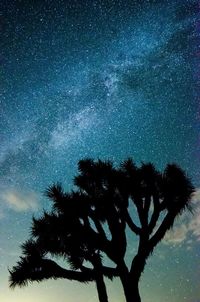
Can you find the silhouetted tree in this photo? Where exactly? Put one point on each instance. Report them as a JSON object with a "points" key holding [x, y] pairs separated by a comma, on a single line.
{"points": [[87, 225]]}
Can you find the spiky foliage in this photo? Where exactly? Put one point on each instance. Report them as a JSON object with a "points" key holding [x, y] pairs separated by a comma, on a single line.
{"points": [[177, 189], [90, 223], [35, 266]]}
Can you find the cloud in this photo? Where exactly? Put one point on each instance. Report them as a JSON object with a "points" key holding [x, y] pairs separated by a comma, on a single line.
{"points": [[189, 229], [177, 235], [20, 201], [196, 196], [194, 226]]}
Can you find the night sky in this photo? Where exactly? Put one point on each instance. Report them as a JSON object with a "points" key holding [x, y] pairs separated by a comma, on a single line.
{"points": [[100, 79]]}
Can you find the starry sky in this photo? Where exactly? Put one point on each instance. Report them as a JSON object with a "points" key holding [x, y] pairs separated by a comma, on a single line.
{"points": [[100, 79]]}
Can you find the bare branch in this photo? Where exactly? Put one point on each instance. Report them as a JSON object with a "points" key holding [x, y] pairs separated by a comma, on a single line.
{"points": [[134, 228]]}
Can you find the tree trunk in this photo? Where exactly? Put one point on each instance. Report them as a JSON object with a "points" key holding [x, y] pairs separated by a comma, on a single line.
{"points": [[129, 283], [101, 288], [99, 278], [131, 289]]}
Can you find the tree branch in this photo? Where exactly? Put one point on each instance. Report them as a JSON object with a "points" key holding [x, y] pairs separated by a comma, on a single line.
{"points": [[140, 210], [108, 272], [166, 224], [134, 228], [155, 215], [101, 240], [99, 227], [147, 203], [44, 269]]}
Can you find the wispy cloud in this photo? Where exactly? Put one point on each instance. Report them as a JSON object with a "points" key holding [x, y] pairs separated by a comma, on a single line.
{"points": [[177, 235], [196, 196], [189, 230], [20, 201]]}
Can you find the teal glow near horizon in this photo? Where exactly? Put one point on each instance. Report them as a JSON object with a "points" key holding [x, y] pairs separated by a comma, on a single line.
{"points": [[100, 79]]}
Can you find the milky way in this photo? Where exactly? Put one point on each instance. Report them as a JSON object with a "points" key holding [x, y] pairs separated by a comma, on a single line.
{"points": [[99, 79]]}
